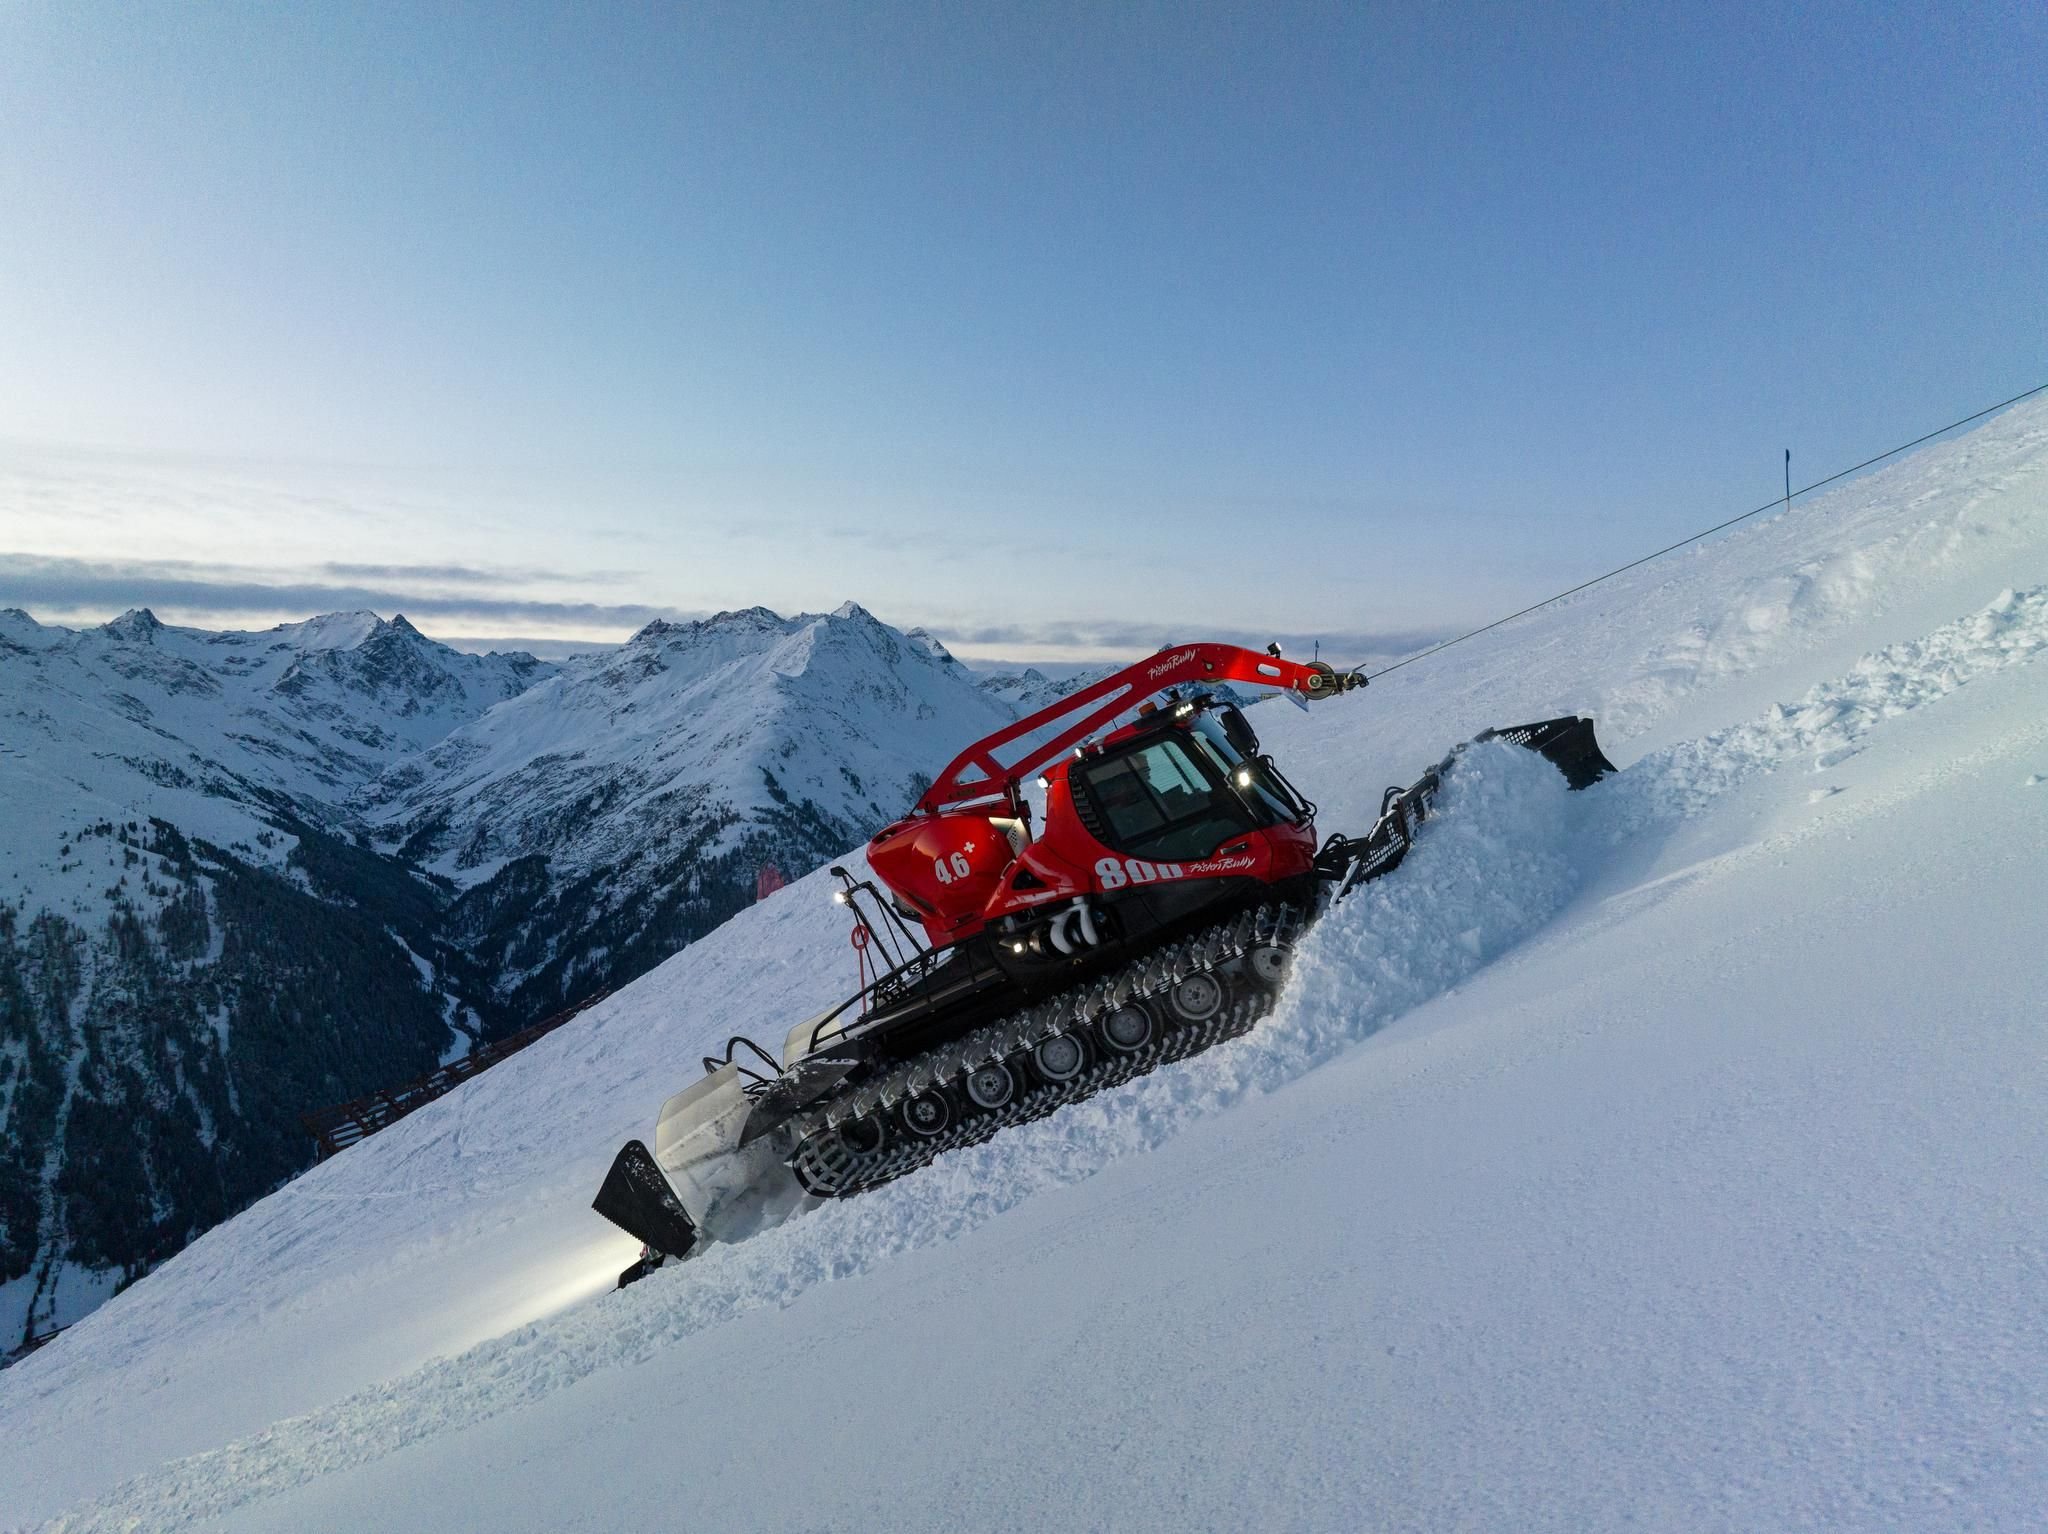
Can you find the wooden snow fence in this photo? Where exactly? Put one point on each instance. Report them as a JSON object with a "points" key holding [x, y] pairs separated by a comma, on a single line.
{"points": [[336, 1128]]}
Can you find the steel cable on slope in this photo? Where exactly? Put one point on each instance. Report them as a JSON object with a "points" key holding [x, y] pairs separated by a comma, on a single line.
{"points": [[1773, 504]]}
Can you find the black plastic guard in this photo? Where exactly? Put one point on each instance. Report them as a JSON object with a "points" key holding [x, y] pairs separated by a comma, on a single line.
{"points": [[648, 1262], [1567, 744], [637, 1198]]}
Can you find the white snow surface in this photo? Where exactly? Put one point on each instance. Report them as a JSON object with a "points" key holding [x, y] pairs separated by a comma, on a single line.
{"points": [[1667, 1155]]}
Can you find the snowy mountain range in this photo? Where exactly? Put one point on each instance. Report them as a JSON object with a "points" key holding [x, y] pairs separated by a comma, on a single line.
{"points": [[623, 806], [250, 874]]}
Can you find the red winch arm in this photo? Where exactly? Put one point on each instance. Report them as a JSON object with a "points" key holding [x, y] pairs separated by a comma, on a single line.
{"points": [[977, 774]]}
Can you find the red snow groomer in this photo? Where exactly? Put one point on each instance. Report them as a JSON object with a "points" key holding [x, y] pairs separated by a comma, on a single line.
{"points": [[1150, 917]]}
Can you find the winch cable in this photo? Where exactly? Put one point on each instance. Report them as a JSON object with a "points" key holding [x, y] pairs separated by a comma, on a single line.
{"points": [[1774, 504]]}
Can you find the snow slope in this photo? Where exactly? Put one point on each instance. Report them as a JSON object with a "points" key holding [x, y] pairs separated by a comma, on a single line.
{"points": [[1667, 1155]]}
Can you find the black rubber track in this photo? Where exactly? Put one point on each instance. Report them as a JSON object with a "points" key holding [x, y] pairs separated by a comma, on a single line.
{"points": [[828, 1167]]}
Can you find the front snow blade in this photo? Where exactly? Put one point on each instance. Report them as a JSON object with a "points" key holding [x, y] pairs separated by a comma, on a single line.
{"points": [[637, 1198], [1567, 744]]}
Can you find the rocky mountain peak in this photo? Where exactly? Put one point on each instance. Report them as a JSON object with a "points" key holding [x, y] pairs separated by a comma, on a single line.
{"points": [[138, 625], [397, 638], [741, 621], [923, 639], [330, 631], [19, 631]]}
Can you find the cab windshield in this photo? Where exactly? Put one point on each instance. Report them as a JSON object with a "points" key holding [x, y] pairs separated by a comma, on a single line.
{"points": [[1211, 740], [1167, 801]]}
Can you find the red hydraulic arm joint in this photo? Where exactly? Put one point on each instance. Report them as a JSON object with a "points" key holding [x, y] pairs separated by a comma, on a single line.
{"points": [[977, 774]]}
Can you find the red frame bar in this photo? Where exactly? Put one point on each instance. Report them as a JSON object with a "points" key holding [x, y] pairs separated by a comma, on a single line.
{"points": [[1123, 690]]}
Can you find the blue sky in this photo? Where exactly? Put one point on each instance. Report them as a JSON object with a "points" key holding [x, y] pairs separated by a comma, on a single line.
{"points": [[1063, 330]]}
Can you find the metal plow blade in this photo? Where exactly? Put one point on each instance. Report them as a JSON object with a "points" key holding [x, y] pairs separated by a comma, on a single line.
{"points": [[637, 1198]]}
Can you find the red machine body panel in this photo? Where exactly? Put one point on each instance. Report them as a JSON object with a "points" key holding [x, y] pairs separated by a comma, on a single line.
{"points": [[948, 867], [1072, 862], [963, 859], [956, 871]]}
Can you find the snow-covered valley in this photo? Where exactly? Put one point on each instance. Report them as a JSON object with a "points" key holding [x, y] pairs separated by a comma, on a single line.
{"points": [[1667, 1155]]}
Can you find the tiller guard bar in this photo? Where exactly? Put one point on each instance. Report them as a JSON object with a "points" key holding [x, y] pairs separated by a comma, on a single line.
{"points": [[1567, 743]]}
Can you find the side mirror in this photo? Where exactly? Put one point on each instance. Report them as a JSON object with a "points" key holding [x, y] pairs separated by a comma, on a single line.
{"points": [[1238, 730]]}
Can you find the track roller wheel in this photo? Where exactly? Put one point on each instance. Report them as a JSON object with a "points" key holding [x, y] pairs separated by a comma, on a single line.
{"points": [[1060, 1058], [992, 1085], [1197, 998], [862, 1135], [1127, 1029], [926, 1114], [1268, 965]]}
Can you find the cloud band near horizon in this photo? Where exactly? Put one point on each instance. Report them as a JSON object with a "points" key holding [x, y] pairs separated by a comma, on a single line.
{"points": [[485, 608]]}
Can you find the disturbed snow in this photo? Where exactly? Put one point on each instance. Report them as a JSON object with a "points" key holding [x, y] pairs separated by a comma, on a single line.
{"points": [[1684, 1181]]}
